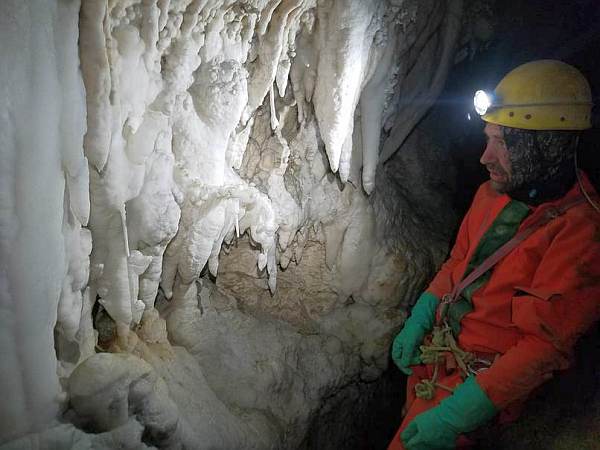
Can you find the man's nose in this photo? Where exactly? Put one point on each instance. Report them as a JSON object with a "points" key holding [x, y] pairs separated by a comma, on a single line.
{"points": [[489, 155]]}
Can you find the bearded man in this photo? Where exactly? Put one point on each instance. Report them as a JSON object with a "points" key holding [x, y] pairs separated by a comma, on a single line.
{"points": [[522, 283]]}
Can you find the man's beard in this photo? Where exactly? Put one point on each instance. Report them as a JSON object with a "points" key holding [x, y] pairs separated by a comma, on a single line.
{"points": [[541, 164], [502, 187]]}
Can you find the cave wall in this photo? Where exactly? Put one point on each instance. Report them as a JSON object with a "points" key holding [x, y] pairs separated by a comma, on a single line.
{"points": [[202, 243], [196, 139], [44, 201]]}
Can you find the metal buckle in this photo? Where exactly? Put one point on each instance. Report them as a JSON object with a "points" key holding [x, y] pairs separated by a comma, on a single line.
{"points": [[553, 212], [447, 299], [478, 365]]}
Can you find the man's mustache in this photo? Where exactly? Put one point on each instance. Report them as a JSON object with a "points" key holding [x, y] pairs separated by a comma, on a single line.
{"points": [[496, 168]]}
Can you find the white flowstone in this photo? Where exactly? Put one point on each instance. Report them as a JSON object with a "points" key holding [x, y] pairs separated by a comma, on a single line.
{"points": [[43, 203], [236, 140]]}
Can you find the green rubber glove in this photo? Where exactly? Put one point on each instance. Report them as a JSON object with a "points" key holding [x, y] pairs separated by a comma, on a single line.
{"points": [[465, 410], [405, 349]]}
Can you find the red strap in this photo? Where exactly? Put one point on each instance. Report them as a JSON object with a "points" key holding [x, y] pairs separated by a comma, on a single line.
{"points": [[490, 261]]}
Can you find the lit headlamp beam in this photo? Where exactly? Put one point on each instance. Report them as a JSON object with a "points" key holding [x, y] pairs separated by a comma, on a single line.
{"points": [[482, 101]]}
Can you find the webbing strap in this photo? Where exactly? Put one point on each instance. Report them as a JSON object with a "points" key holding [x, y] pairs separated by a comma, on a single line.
{"points": [[490, 261]]}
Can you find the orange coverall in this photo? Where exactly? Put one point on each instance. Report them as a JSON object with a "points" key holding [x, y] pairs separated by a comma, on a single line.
{"points": [[538, 301]]}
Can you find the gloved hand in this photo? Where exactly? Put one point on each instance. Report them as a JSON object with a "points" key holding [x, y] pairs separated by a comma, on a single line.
{"points": [[438, 428], [405, 349]]}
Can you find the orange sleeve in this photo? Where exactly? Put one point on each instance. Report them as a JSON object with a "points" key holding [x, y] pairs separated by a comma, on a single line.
{"points": [[562, 302]]}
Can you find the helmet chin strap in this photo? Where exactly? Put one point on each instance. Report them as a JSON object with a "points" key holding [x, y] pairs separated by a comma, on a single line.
{"points": [[580, 182]]}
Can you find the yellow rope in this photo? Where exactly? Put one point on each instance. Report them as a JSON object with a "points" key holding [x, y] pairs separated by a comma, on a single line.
{"points": [[442, 341]]}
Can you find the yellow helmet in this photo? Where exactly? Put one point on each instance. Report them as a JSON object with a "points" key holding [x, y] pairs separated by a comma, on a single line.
{"points": [[539, 95]]}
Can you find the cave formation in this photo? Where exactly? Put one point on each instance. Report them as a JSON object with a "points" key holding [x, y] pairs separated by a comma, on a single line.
{"points": [[216, 214]]}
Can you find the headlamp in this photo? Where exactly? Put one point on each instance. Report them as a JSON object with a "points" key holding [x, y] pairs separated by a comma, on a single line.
{"points": [[482, 102]]}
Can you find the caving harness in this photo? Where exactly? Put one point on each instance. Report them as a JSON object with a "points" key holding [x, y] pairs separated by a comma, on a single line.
{"points": [[442, 344]]}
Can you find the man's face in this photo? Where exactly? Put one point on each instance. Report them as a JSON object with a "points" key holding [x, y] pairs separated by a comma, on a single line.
{"points": [[495, 158]]}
